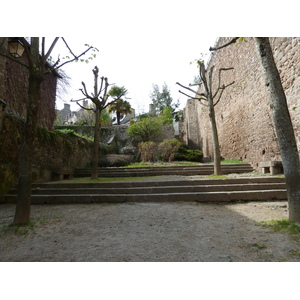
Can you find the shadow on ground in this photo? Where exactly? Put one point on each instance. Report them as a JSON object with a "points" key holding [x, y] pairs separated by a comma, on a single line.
{"points": [[150, 232]]}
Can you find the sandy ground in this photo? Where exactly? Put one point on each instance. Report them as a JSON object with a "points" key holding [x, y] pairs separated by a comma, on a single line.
{"points": [[149, 232]]}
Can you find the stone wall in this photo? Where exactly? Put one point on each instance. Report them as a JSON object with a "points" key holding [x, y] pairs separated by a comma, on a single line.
{"points": [[244, 119], [51, 152], [14, 88]]}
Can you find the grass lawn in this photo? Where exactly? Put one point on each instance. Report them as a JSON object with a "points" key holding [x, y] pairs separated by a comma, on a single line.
{"points": [[177, 163]]}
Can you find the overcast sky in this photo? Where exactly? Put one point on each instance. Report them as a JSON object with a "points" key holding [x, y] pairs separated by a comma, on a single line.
{"points": [[136, 61], [142, 42]]}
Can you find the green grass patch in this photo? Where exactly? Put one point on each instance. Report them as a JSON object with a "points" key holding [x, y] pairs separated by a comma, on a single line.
{"points": [[258, 246], [160, 164], [26, 228], [282, 225], [19, 229], [213, 176], [232, 161]]}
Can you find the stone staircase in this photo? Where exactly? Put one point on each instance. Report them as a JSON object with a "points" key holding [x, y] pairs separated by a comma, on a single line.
{"points": [[201, 169], [263, 188]]}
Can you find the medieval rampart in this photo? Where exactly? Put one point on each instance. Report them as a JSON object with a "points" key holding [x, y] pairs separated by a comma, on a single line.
{"points": [[244, 119]]}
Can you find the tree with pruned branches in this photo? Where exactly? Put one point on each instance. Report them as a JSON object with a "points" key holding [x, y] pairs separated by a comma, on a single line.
{"points": [[282, 120], [100, 98], [210, 99], [38, 66]]}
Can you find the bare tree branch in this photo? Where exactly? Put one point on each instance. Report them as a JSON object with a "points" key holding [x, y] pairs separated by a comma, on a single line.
{"points": [[51, 48], [185, 87], [84, 107], [219, 84], [43, 47], [101, 85], [75, 58], [57, 62], [233, 41], [202, 72], [85, 93], [222, 90], [68, 47], [194, 84], [78, 100], [192, 98]]}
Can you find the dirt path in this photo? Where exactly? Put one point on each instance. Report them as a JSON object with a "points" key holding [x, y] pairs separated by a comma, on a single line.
{"points": [[150, 232]]}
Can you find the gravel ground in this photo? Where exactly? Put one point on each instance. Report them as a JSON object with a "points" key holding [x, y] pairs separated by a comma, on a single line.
{"points": [[149, 232]]}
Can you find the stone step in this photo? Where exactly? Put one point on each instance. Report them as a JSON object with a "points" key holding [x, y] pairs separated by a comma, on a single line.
{"points": [[257, 195], [157, 189], [237, 189], [166, 181], [203, 169]]}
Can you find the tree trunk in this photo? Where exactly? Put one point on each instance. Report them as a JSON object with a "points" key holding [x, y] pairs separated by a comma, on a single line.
{"points": [[283, 125], [215, 138], [22, 213], [118, 117], [95, 157]]}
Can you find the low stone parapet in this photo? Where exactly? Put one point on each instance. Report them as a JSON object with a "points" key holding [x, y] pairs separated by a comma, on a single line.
{"points": [[61, 174], [274, 167]]}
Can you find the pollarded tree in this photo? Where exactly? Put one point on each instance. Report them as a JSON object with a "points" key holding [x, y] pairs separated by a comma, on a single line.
{"points": [[100, 98], [210, 99], [120, 106], [38, 67], [282, 120]]}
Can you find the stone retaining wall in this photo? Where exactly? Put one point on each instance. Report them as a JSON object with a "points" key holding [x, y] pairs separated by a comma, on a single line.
{"points": [[51, 152], [244, 119]]}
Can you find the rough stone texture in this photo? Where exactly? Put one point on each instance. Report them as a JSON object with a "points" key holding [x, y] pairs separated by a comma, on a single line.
{"points": [[49, 154], [244, 118], [14, 89]]}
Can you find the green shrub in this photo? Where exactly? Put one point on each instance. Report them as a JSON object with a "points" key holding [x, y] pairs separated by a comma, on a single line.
{"points": [[168, 148], [148, 151], [145, 130], [187, 154], [66, 132], [115, 160]]}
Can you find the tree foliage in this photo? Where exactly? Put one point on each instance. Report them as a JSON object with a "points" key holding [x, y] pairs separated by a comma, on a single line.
{"points": [[167, 116], [120, 106], [163, 99], [145, 130]]}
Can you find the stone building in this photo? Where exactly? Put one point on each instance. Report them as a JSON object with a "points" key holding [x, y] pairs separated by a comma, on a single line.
{"points": [[244, 118], [14, 87]]}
